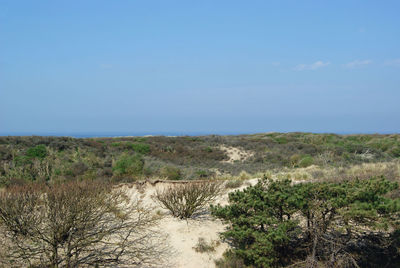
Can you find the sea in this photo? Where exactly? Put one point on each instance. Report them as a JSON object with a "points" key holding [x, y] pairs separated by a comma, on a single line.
{"points": [[160, 133], [117, 134]]}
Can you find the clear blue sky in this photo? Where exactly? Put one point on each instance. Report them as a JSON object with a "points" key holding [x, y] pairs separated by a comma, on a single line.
{"points": [[148, 66]]}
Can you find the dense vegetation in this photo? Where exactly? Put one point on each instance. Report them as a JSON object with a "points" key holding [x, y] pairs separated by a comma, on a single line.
{"points": [[321, 224], [38, 158]]}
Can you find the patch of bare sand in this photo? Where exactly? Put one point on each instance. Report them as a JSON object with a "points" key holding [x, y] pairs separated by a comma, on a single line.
{"points": [[236, 154]]}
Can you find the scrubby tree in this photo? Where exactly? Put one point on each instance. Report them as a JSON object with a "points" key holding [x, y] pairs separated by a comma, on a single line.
{"points": [[76, 224]]}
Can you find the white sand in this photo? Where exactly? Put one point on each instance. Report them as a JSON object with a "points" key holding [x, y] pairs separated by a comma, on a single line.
{"points": [[236, 154], [183, 235]]}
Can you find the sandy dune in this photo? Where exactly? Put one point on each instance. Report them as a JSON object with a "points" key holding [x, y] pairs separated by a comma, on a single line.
{"points": [[183, 235]]}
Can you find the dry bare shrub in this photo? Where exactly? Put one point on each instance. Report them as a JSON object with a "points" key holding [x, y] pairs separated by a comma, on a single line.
{"points": [[229, 260], [202, 245], [185, 200], [244, 175], [232, 184], [76, 224]]}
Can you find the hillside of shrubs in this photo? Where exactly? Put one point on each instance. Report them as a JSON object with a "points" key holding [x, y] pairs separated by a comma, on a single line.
{"points": [[37, 158]]}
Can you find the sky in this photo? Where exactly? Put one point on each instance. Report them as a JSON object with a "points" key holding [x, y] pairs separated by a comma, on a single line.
{"points": [[222, 67]]}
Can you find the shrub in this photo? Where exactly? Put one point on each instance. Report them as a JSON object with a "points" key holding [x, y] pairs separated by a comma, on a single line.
{"points": [[231, 184], [116, 144], [75, 224], [171, 173], [38, 151], [230, 260], [202, 245], [22, 160], [140, 148], [208, 149], [281, 140], [294, 160], [78, 168], [244, 175], [395, 152], [185, 200], [128, 165], [306, 161], [202, 174]]}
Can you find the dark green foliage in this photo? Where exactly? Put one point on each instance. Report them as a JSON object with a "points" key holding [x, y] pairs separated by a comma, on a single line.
{"points": [[39, 151], [22, 160], [140, 148], [281, 140], [395, 151], [265, 221], [261, 223]]}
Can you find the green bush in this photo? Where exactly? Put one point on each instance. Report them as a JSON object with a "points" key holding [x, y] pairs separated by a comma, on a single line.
{"points": [[208, 149], [281, 140], [22, 160], [38, 151], [116, 144], [395, 152], [128, 165], [306, 161], [140, 148]]}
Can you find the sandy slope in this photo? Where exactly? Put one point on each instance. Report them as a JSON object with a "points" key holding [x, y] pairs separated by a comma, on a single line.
{"points": [[236, 154], [183, 235]]}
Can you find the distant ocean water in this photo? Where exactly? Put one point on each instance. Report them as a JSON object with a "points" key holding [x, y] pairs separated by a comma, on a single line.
{"points": [[139, 134], [119, 134]]}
